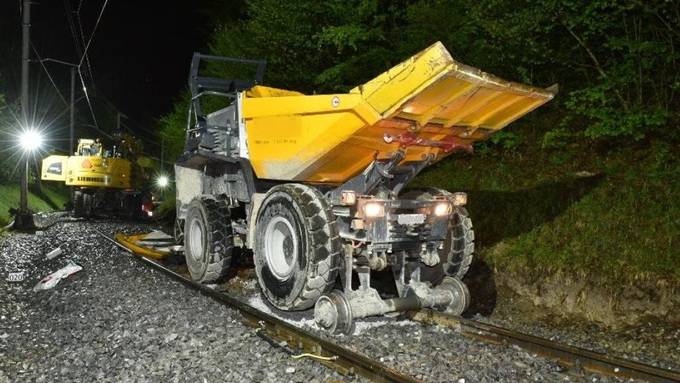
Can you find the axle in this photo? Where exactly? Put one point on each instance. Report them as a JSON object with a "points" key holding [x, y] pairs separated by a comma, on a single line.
{"points": [[336, 311]]}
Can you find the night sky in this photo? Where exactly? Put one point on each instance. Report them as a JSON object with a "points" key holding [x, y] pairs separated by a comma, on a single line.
{"points": [[139, 55]]}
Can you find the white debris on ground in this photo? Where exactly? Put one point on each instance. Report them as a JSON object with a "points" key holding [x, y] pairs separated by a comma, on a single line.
{"points": [[54, 253], [53, 279], [297, 319]]}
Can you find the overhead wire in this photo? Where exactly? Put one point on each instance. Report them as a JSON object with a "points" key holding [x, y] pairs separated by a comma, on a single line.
{"points": [[138, 125], [80, 72], [77, 39], [94, 30], [82, 50], [89, 105], [81, 38], [49, 76]]}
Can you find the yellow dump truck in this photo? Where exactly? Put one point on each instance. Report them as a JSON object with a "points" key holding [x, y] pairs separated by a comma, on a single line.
{"points": [[313, 184], [105, 181]]}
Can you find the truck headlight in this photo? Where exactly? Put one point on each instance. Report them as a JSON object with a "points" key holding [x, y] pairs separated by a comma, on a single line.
{"points": [[459, 199], [442, 209], [348, 197], [374, 209]]}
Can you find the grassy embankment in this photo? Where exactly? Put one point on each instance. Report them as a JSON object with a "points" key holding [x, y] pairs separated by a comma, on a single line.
{"points": [[53, 198], [613, 214]]}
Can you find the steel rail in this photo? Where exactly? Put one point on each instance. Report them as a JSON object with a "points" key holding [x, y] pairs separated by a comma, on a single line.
{"points": [[574, 358], [339, 358], [346, 361]]}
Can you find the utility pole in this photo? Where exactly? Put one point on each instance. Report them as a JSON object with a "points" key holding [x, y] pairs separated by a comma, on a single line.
{"points": [[162, 152], [119, 117], [72, 122], [24, 219], [25, 52]]}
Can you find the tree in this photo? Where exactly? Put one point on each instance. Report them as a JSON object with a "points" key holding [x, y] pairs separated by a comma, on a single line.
{"points": [[616, 61]]}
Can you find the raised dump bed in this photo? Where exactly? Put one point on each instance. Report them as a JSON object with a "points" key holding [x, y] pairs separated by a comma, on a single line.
{"points": [[315, 184], [429, 104]]}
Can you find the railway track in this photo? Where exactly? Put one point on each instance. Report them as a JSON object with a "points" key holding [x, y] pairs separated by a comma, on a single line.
{"points": [[298, 341], [302, 343], [576, 360]]}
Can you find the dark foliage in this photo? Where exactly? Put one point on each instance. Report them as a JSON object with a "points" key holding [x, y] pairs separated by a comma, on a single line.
{"points": [[616, 61]]}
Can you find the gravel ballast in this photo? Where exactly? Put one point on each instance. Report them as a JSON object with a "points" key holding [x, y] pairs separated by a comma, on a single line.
{"points": [[117, 320], [649, 342]]}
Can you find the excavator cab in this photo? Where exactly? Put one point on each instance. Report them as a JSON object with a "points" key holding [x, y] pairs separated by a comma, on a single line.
{"points": [[89, 148]]}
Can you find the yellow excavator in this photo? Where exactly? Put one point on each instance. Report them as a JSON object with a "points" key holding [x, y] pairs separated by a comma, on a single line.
{"points": [[105, 181]]}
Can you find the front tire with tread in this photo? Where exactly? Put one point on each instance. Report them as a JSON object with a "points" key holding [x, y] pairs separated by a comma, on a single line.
{"points": [[208, 239], [312, 247], [458, 251]]}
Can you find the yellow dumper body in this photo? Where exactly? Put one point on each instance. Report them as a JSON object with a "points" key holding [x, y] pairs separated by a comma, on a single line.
{"points": [[429, 104]]}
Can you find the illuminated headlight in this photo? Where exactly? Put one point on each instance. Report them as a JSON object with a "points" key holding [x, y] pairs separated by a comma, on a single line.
{"points": [[374, 209], [459, 199], [442, 209], [149, 213], [348, 197]]}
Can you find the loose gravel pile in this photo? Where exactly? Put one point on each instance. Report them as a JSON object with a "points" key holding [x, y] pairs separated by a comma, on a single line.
{"points": [[117, 320]]}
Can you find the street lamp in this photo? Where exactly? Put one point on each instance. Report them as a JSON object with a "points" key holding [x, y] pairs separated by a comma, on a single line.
{"points": [[30, 140], [162, 181]]}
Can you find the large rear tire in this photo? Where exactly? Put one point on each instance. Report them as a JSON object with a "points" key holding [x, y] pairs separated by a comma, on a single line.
{"points": [[297, 247], [83, 204], [459, 246], [78, 210], [208, 239]]}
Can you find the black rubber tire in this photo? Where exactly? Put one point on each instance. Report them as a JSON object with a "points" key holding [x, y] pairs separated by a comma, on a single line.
{"points": [[132, 206], [82, 204], [88, 204], [318, 249], [210, 259], [459, 245], [78, 204]]}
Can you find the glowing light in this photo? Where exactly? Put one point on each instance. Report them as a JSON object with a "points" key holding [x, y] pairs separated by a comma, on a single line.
{"points": [[163, 181], [374, 209], [441, 209], [30, 140], [348, 197], [459, 199]]}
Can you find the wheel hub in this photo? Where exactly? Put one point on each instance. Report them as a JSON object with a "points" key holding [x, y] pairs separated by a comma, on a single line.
{"points": [[333, 313], [196, 239], [280, 247], [460, 294]]}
